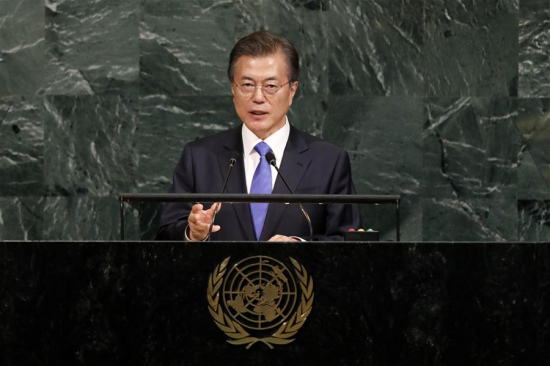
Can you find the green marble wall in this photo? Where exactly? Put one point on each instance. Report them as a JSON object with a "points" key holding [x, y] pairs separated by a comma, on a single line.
{"points": [[446, 103]]}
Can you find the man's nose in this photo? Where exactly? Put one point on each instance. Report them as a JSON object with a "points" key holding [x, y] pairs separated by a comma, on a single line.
{"points": [[258, 95]]}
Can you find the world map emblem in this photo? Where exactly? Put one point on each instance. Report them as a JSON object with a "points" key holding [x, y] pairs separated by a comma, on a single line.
{"points": [[260, 300]]}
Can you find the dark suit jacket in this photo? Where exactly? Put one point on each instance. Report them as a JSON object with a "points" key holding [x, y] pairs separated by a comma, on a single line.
{"points": [[310, 166]]}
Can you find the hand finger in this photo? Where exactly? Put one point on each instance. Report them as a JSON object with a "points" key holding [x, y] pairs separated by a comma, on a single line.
{"points": [[198, 219], [281, 238], [197, 208], [198, 215], [201, 226], [195, 218], [201, 230]]}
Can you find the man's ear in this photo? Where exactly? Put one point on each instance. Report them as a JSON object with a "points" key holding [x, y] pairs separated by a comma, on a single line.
{"points": [[293, 89]]}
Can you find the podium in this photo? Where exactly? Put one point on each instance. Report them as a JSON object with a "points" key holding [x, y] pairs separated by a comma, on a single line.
{"points": [[241, 198], [149, 303]]}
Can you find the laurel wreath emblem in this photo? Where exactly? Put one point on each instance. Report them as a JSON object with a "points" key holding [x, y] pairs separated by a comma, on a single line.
{"points": [[237, 334]]}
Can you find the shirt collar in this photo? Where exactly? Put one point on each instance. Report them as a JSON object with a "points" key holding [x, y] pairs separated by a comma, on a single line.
{"points": [[277, 141]]}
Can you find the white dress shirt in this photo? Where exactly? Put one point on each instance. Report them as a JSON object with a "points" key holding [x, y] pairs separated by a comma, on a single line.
{"points": [[277, 143]]}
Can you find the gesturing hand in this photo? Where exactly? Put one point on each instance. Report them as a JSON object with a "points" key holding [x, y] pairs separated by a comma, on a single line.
{"points": [[199, 221]]}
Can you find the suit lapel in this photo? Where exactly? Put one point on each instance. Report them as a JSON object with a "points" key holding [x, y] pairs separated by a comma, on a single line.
{"points": [[293, 167], [237, 181]]}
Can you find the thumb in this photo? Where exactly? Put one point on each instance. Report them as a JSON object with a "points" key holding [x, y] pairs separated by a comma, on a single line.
{"points": [[215, 206]]}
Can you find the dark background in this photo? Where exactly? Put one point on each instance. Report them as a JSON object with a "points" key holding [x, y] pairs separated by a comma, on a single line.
{"points": [[444, 102], [137, 303]]}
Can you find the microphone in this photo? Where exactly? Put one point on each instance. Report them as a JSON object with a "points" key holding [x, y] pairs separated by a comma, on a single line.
{"points": [[232, 161], [270, 157]]}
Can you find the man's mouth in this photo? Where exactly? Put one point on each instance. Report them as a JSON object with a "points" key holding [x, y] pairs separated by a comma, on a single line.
{"points": [[258, 113]]}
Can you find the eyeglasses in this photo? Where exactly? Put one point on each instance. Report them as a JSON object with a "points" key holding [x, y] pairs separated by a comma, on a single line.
{"points": [[247, 89]]}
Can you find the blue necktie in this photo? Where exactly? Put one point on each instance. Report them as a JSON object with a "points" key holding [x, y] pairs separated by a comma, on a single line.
{"points": [[261, 184]]}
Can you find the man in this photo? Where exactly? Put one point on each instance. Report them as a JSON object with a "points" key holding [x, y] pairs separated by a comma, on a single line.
{"points": [[263, 71]]}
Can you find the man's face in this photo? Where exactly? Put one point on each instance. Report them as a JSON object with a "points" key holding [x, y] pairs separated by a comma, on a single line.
{"points": [[263, 114]]}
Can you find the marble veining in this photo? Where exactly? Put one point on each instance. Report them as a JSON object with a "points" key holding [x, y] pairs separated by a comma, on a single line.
{"points": [[75, 217], [534, 124], [167, 124], [21, 218], [22, 146], [91, 145], [99, 98], [92, 47], [534, 217], [21, 46], [534, 42], [179, 58], [425, 48], [469, 219], [470, 148]]}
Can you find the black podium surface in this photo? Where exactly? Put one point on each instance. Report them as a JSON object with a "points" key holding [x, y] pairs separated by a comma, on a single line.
{"points": [[145, 303]]}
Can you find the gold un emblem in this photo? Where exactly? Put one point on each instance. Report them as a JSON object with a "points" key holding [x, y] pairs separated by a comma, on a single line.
{"points": [[256, 300]]}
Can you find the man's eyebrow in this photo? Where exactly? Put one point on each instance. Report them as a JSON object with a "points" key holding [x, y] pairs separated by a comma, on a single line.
{"points": [[244, 77]]}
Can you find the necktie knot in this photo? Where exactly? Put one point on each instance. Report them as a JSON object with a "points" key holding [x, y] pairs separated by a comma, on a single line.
{"points": [[262, 148]]}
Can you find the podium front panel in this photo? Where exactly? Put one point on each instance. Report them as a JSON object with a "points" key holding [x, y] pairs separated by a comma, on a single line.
{"points": [[382, 303]]}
